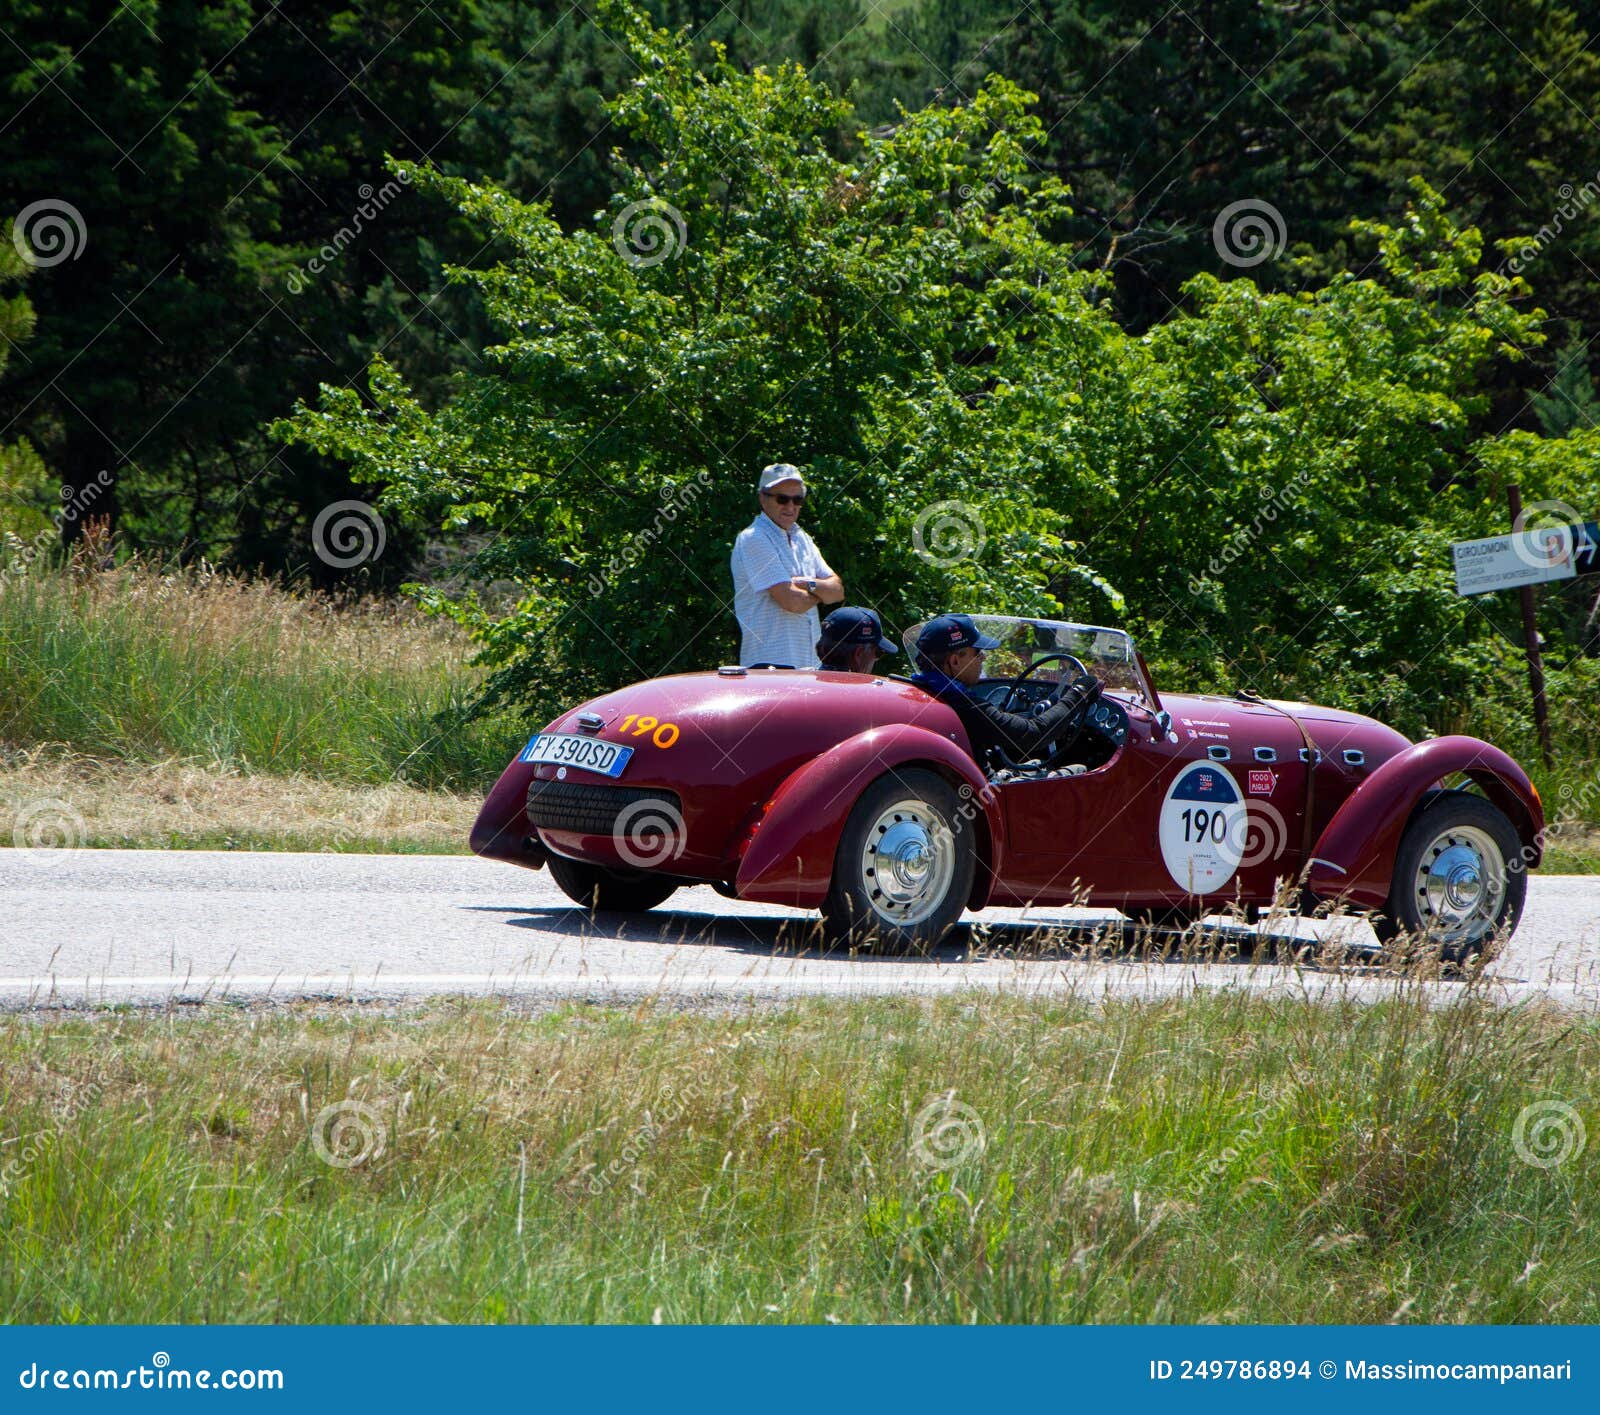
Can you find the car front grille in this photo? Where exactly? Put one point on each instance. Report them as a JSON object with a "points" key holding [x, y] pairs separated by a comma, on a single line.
{"points": [[591, 810]]}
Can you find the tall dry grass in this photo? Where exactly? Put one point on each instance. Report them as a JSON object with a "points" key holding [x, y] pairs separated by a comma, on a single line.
{"points": [[244, 675]]}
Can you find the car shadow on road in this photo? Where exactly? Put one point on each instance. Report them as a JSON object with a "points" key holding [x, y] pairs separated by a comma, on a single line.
{"points": [[1111, 939]]}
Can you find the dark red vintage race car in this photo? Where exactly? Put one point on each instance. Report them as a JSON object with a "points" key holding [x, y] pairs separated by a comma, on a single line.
{"points": [[860, 796]]}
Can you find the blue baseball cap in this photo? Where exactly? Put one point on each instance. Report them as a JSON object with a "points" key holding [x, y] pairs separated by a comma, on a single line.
{"points": [[850, 624], [945, 632]]}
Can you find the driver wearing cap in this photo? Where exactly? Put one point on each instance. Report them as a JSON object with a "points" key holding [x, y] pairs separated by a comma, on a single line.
{"points": [[852, 639], [950, 651]]}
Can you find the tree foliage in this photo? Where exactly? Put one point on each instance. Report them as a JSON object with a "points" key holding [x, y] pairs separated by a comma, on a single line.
{"points": [[24, 497], [1266, 481]]}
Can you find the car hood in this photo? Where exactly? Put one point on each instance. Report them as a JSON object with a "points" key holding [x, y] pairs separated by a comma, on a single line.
{"points": [[747, 728], [1332, 730]]}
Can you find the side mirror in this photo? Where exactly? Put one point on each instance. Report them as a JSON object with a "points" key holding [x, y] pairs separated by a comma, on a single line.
{"points": [[1164, 722]]}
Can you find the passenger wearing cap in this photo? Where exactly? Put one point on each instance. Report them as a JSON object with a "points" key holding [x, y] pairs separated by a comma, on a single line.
{"points": [[852, 639], [780, 578], [950, 652]]}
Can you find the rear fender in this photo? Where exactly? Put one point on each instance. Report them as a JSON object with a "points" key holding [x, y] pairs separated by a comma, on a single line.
{"points": [[1353, 860], [789, 859]]}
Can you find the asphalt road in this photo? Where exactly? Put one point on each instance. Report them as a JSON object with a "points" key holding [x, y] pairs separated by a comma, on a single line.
{"points": [[90, 927]]}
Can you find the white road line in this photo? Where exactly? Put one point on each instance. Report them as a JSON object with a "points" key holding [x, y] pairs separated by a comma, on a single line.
{"points": [[93, 928]]}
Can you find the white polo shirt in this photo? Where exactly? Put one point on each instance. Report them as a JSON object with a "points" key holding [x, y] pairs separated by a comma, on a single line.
{"points": [[763, 556]]}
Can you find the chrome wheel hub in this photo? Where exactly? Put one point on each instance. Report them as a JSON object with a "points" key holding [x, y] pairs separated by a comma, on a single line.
{"points": [[1460, 884], [907, 862]]}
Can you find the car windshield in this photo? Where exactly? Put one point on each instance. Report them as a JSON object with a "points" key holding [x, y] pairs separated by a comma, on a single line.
{"points": [[1107, 653]]}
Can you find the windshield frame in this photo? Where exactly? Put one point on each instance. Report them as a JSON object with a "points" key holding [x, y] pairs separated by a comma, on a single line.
{"points": [[1107, 652]]}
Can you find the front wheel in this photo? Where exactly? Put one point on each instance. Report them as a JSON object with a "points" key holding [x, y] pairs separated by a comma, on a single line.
{"points": [[595, 887], [1453, 885], [904, 867]]}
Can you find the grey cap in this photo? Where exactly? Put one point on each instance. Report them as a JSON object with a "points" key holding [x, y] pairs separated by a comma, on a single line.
{"points": [[778, 472]]}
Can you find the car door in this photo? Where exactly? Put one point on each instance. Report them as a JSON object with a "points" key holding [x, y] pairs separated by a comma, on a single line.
{"points": [[1069, 834], [1213, 809]]}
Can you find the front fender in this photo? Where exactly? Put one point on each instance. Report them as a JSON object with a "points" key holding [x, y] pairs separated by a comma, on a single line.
{"points": [[501, 831], [789, 859], [1354, 857]]}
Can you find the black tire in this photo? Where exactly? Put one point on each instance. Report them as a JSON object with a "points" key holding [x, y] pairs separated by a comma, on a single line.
{"points": [[903, 870], [611, 891], [1457, 849]]}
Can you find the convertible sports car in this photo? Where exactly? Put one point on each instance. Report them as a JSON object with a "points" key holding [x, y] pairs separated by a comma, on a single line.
{"points": [[860, 796]]}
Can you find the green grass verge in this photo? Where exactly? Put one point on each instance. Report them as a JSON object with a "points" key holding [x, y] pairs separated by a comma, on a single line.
{"points": [[1220, 1158], [1578, 859]]}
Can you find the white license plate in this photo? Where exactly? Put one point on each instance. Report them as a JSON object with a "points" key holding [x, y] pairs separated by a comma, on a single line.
{"points": [[569, 749]]}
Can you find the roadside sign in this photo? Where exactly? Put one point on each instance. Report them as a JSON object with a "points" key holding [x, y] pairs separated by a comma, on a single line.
{"points": [[1561, 549], [1556, 552]]}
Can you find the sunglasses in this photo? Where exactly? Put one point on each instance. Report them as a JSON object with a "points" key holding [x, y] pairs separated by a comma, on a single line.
{"points": [[783, 499]]}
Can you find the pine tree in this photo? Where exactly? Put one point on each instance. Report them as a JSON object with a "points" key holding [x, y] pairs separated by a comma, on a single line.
{"points": [[120, 121], [24, 497], [1569, 401]]}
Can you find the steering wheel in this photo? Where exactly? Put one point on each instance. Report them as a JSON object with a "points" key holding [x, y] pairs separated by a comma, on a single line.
{"points": [[1032, 668], [1065, 743]]}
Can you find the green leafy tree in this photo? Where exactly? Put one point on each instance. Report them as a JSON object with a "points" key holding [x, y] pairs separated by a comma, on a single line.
{"points": [[1495, 105], [747, 296], [1315, 456], [219, 165], [1264, 483]]}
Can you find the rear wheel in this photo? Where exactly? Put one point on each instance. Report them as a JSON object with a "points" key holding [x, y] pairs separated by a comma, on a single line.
{"points": [[1453, 887], [904, 867], [595, 887]]}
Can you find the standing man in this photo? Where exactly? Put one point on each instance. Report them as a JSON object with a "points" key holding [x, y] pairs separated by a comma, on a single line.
{"points": [[780, 577]]}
